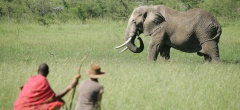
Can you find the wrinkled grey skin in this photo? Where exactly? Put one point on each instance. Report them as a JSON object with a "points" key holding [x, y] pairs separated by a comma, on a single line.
{"points": [[192, 31]]}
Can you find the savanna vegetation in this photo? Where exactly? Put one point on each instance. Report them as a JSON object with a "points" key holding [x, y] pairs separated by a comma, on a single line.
{"points": [[61, 33], [55, 11]]}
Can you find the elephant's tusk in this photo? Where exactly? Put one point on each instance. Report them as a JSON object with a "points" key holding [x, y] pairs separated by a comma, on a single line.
{"points": [[124, 43], [123, 50]]}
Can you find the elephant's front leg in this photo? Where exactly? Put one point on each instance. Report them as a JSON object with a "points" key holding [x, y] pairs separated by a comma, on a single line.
{"points": [[165, 52], [153, 49], [153, 52]]}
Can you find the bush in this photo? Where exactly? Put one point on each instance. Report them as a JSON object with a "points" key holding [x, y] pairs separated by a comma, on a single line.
{"points": [[12, 10], [51, 11], [223, 8]]}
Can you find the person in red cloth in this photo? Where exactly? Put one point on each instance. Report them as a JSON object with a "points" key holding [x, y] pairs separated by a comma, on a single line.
{"points": [[37, 94]]}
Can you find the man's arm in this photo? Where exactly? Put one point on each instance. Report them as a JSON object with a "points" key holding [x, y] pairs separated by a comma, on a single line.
{"points": [[59, 95], [99, 101], [66, 90]]}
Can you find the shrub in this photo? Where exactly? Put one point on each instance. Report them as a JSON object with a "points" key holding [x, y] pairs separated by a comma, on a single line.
{"points": [[222, 8], [51, 11]]}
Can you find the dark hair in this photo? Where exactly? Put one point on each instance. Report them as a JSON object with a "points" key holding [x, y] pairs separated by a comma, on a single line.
{"points": [[43, 69]]}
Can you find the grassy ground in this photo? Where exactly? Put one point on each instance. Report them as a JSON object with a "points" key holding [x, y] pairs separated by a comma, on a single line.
{"points": [[184, 83]]}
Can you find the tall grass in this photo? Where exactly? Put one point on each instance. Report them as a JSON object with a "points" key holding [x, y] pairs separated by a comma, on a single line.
{"points": [[183, 83]]}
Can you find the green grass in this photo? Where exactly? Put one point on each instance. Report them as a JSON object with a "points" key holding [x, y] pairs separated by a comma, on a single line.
{"points": [[184, 83]]}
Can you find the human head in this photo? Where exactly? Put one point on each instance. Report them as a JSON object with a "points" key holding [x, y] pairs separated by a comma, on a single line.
{"points": [[43, 69], [95, 71]]}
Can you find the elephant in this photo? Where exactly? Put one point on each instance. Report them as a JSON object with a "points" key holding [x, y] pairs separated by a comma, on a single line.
{"points": [[195, 30]]}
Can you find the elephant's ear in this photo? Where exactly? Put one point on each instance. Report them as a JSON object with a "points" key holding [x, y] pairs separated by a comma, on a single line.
{"points": [[159, 18], [154, 22], [144, 16]]}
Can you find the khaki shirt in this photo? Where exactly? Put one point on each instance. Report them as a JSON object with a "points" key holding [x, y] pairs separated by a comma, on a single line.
{"points": [[88, 95]]}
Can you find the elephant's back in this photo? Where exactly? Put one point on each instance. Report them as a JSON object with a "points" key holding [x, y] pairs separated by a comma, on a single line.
{"points": [[201, 15]]}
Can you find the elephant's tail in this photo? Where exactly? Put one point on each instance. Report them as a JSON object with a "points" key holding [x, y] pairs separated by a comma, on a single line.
{"points": [[216, 37], [219, 32]]}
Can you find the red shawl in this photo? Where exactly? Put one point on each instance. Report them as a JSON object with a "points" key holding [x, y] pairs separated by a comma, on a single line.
{"points": [[33, 94]]}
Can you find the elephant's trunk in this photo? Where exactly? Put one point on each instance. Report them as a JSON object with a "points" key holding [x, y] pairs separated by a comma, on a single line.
{"points": [[132, 32]]}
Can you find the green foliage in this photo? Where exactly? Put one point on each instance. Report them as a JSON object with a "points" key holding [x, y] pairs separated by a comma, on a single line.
{"points": [[223, 8], [13, 10], [53, 11]]}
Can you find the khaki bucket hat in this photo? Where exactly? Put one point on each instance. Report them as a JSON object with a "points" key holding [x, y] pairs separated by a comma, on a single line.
{"points": [[95, 71]]}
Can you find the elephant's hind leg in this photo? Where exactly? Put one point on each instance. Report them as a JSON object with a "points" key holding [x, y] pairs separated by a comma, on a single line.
{"points": [[206, 57], [210, 51]]}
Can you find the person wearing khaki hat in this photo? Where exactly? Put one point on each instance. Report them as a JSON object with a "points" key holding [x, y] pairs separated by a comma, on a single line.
{"points": [[90, 91]]}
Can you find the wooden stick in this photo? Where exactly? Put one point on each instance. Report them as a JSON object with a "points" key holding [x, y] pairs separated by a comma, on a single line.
{"points": [[74, 89]]}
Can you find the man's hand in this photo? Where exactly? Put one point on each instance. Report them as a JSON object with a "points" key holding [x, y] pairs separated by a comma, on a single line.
{"points": [[78, 76], [75, 81]]}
